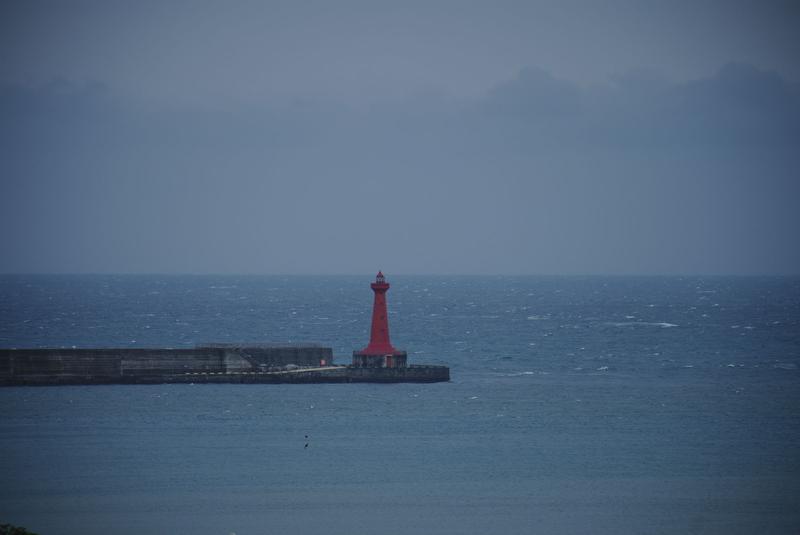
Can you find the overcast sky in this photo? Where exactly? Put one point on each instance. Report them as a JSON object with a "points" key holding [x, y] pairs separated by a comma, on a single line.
{"points": [[416, 137]]}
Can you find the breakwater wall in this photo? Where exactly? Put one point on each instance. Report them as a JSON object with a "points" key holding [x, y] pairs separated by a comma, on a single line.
{"points": [[203, 364], [133, 365], [353, 374]]}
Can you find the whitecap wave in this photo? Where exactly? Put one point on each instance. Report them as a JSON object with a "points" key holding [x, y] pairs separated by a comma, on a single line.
{"points": [[662, 324]]}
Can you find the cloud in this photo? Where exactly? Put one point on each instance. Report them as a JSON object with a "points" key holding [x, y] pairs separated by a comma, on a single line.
{"points": [[740, 105], [533, 95]]}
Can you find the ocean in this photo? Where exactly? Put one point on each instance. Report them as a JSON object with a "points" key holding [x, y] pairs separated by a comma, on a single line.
{"points": [[577, 405]]}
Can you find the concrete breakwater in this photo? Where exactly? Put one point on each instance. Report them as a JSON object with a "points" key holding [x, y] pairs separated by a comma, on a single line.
{"points": [[214, 363]]}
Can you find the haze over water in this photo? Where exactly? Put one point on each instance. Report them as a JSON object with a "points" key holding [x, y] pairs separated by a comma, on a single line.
{"points": [[541, 137], [577, 405]]}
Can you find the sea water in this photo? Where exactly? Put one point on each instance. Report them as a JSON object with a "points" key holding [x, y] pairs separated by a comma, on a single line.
{"points": [[576, 405]]}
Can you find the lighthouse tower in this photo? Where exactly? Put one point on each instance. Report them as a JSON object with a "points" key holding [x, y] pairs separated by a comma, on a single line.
{"points": [[379, 353]]}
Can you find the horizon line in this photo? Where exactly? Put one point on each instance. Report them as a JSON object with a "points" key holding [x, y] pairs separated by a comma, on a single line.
{"points": [[392, 274]]}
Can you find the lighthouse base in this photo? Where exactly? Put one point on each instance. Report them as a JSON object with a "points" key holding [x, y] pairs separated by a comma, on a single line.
{"points": [[398, 359]]}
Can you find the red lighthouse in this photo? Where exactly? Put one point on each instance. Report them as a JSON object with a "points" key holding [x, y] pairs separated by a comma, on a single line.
{"points": [[379, 353]]}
